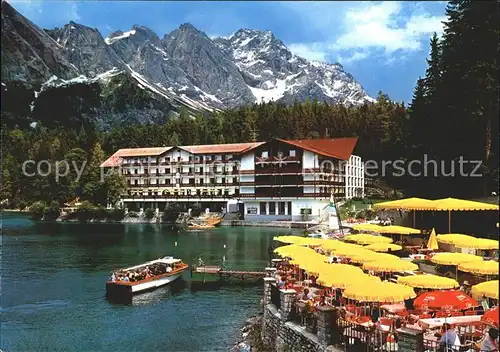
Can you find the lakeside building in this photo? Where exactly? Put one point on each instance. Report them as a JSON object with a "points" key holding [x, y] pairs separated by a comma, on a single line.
{"points": [[275, 180]]}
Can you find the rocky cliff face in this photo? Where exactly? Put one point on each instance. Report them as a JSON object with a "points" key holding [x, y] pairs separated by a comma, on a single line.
{"points": [[29, 54], [185, 68]]}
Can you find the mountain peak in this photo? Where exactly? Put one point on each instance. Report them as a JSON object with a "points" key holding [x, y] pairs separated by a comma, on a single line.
{"points": [[189, 27]]}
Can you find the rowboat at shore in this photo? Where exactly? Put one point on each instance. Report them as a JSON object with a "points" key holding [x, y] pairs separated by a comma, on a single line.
{"points": [[145, 277]]}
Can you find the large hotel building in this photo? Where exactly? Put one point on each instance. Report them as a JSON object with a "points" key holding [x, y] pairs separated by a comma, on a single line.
{"points": [[275, 180]]}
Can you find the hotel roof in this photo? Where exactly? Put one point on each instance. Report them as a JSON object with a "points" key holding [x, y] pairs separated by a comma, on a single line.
{"points": [[115, 159], [221, 148], [339, 148]]}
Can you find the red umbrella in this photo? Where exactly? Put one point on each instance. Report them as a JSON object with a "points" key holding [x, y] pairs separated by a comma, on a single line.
{"points": [[448, 300], [491, 316]]}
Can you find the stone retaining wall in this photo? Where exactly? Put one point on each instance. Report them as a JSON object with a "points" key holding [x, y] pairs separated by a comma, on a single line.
{"points": [[282, 335], [286, 336]]}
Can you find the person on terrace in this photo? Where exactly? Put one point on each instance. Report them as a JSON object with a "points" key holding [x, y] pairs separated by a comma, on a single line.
{"points": [[306, 296], [448, 339], [322, 301], [490, 341]]}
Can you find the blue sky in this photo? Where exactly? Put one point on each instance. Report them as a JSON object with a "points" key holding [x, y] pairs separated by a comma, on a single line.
{"points": [[382, 44]]}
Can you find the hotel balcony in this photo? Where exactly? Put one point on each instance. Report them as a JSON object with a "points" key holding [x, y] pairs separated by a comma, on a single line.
{"points": [[277, 159], [298, 196]]}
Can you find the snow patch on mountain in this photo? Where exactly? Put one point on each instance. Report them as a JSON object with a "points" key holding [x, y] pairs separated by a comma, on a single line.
{"points": [[110, 40]]}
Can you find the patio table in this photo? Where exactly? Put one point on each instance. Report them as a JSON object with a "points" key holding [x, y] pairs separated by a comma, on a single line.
{"points": [[437, 322]]}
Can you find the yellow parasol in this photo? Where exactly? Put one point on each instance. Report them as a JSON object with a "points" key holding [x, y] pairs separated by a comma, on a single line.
{"points": [[293, 250], [333, 244], [453, 204], [432, 243], [390, 266], [454, 258], [454, 238], [398, 230], [406, 204], [479, 243], [487, 289], [348, 251], [428, 281], [364, 238], [363, 257], [384, 292], [343, 281], [383, 247], [366, 227], [303, 241], [488, 267]]}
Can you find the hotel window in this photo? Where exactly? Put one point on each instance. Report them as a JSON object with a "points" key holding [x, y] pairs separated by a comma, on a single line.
{"points": [[190, 158], [197, 158], [262, 206], [280, 154], [167, 159], [272, 208], [265, 154], [218, 157], [135, 182], [289, 204], [292, 153], [201, 181], [281, 208], [228, 156], [136, 171], [208, 157]]}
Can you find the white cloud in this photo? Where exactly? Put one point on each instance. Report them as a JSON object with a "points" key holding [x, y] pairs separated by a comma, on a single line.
{"points": [[355, 56], [314, 51], [389, 28], [383, 26]]}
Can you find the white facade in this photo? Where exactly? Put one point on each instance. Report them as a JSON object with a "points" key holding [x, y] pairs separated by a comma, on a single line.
{"points": [[354, 178]]}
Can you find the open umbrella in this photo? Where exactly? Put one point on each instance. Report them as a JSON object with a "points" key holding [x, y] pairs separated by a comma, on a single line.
{"points": [[453, 204], [383, 292], [366, 227], [406, 204], [428, 281], [364, 238], [451, 300], [488, 267], [455, 259], [487, 289], [383, 247], [491, 316]]}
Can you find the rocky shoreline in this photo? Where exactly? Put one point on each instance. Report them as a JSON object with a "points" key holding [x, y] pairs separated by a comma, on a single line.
{"points": [[250, 340]]}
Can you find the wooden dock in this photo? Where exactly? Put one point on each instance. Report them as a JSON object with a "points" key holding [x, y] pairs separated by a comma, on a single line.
{"points": [[208, 273]]}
